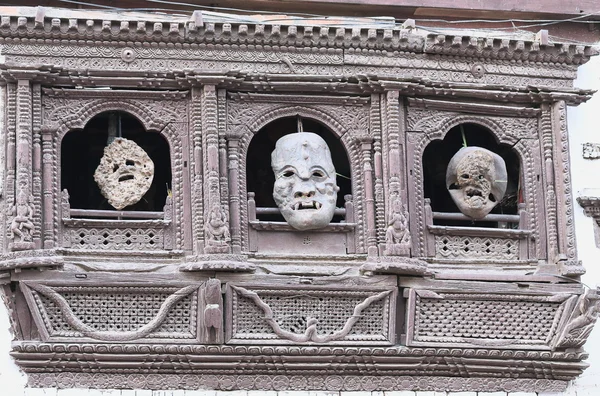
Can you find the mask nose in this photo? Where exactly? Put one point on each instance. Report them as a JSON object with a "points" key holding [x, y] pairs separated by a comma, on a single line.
{"points": [[304, 189]]}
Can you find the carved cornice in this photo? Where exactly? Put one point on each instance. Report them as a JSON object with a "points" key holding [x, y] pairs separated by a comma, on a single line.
{"points": [[512, 49], [379, 368], [269, 382], [474, 108], [591, 206], [36, 347], [36, 25]]}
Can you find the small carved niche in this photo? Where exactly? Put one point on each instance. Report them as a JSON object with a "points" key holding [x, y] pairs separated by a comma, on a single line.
{"points": [[260, 177], [436, 158], [82, 150]]}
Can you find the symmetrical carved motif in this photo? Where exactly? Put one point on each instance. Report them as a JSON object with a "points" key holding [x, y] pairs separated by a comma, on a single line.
{"points": [[115, 314], [120, 303], [464, 247], [304, 316]]}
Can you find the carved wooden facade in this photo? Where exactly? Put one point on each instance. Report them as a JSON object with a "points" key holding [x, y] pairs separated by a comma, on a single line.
{"points": [[204, 290]]}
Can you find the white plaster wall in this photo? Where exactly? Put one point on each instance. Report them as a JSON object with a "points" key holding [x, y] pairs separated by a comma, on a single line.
{"points": [[584, 126]]}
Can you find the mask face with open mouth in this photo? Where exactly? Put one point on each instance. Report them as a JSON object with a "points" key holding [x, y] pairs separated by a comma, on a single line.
{"points": [[125, 173], [476, 179], [305, 188]]}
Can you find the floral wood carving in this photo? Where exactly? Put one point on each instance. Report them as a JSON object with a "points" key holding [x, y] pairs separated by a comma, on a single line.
{"points": [[311, 333]]}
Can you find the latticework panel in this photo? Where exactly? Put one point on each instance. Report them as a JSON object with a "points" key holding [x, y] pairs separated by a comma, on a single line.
{"points": [[454, 319], [116, 239], [295, 310], [463, 247], [119, 310]]}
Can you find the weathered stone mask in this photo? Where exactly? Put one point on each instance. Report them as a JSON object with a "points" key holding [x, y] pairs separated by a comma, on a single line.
{"points": [[476, 179], [125, 173], [305, 188]]}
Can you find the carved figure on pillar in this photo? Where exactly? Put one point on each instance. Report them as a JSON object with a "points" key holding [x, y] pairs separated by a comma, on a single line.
{"points": [[305, 188], [21, 226], [397, 236], [217, 228]]}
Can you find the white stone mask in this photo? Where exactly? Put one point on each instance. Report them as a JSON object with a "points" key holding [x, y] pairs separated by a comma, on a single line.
{"points": [[476, 179], [305, 189], [125, 173]]}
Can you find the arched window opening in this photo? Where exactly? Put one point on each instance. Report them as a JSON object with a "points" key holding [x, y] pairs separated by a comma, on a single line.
{"points": [[260, 177], [82, 150], [436, 158]]}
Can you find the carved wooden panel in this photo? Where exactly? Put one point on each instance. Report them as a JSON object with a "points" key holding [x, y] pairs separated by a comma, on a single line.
{"points": [[307, 315], [484, 320], [117, 314]]}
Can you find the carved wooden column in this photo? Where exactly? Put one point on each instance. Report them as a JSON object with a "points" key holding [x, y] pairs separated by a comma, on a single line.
{"points": [[378, 156], [366, 147], [37, 163], [546, 132], [22, 227], [47, 188], [234, 193], [217, 237], [197, 184], [398, 239], [564, 194]]}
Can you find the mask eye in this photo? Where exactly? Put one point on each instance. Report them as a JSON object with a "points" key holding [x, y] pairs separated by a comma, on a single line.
{"points": [[318, 174], [288, 173]]}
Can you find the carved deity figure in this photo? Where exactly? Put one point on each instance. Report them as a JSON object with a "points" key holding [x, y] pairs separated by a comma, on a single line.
{"points": [[125, 173], [476, 179], [216, 226], [397, 231], [305, 188], [21, 226]]}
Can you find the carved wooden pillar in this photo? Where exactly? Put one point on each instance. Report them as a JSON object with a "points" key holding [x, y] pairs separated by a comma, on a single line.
{"points": [[47, 188], [546, 139], [11, 148], [366, 147], [197, 185], [22, 227], [217, 237], [397, 236], [234, 193], [564, 194], [3, 137], [37, 164], [375, 121]]}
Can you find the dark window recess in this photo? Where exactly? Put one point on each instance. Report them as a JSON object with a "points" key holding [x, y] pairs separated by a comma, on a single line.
{"points": [[81, 151], [436, 157], [259, 173]]}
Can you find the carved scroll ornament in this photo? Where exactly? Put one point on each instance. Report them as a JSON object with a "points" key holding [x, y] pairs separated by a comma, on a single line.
{"points": [[311, 333], [118, 336]]}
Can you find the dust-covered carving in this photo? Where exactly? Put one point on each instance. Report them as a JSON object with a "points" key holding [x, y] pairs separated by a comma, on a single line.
{"points": [[305, 188], [125, 173], [476, 179]]}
